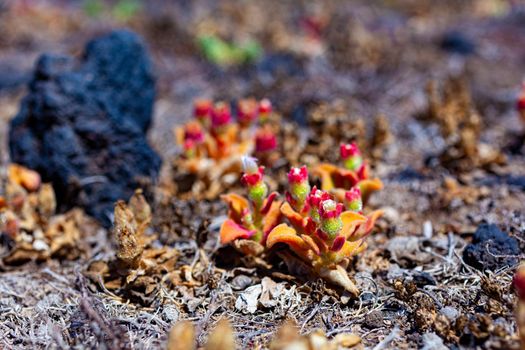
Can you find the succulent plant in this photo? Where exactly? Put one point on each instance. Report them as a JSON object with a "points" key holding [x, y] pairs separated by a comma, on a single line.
{"points": [[323, 232], [250, 219], [213, 142], [354, 173], [320, 230]]}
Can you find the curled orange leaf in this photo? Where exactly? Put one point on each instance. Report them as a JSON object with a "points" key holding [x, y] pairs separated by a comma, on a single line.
{"points": [[272, 217], [237, 205], [365, 229], [351, 221], [285, 234], [368, 186], [230, 231], [325, 171], [294, 217]]}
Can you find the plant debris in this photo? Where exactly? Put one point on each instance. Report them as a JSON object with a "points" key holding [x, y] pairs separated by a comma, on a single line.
{"points": [[139, 268], [29, 222]]}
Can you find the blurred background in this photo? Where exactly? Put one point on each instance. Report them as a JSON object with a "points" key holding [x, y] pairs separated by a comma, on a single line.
{"points": [[376, 56]]}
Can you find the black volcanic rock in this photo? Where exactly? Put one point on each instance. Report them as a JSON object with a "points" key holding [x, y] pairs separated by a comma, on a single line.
{"points": [[491, 249], [83, 124]]}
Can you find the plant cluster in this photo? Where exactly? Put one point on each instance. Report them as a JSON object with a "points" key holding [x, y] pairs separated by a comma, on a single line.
{"points": [[28, 219], [323, 228], [213, 141]]}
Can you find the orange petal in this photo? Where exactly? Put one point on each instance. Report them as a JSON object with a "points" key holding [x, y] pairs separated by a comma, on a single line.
{"points": [[294, 217], [272, 218], [351, 220], [325, 171], [236, 203], [287, 235], [231, 231], [369, 186], [366, 228]]}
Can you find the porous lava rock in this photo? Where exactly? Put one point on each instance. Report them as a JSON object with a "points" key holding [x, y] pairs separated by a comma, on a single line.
{"points": [[491, 249], [83, 124]]}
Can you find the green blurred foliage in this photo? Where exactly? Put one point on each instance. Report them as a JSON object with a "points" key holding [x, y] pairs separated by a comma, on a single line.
{"points": [[224, 53]]}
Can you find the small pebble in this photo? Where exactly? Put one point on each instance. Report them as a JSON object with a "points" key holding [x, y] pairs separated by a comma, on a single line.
{"points": [[450, 312], [427, 229], [241, 282], [170, 313], [431, 341], [40, 245]]}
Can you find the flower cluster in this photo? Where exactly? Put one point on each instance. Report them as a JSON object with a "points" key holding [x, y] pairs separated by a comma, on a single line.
{"points": [[351, 176], [318, 228], [215, 135]]}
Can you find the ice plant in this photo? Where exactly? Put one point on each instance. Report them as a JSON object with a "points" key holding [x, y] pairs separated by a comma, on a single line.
{"points": [[250, 220], [214, 141], [299, 188], [265, 110], [265, 140], [519, 286], [338, 180], [202, 111], [247, 112], [323, 232]]}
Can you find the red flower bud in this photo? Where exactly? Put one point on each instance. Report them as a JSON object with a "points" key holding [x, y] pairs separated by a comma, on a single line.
{"points": [[202, 109], [298, 175], [247, 111], [265, 106], [518, 281], [349, 150], [189, 145], [521, 99], [265, 141], [329, 209], [353, 194], [251, 179], [193, 132], [221, 115], [317, 196]]}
